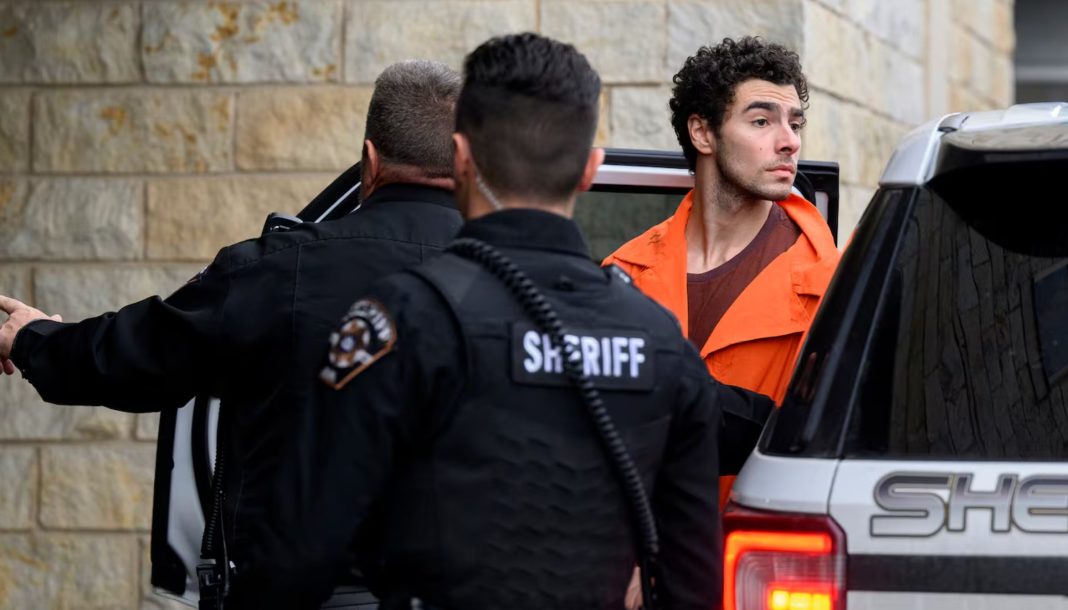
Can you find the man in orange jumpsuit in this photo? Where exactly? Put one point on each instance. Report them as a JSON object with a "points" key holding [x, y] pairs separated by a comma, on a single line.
{"points": [[743, 262]]}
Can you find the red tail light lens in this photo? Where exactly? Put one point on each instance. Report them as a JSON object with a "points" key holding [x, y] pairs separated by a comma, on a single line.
{"points": [[782, 561]]}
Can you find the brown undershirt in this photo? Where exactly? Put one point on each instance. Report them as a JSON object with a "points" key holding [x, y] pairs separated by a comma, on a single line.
{"points": [[711, 293]]}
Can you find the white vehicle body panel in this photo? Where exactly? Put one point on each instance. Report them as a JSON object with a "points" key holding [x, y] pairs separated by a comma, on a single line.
{"points": [[630, 175], [853, 506], [185, 528], [870, 600], [913, 161], [797, 485], [845, 490]]}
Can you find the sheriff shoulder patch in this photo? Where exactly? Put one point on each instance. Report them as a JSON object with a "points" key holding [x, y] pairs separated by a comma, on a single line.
{"points": [[366, 334]]}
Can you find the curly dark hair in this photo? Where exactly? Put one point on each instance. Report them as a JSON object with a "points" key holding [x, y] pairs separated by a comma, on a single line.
{"points": [[706, 83]]}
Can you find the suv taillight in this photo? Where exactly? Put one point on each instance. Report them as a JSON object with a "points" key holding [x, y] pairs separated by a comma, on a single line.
{"points": [[782, 561]]}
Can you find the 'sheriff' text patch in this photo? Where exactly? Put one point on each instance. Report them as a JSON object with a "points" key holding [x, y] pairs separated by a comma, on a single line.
{"points": [[366, 334], [613, 359]]}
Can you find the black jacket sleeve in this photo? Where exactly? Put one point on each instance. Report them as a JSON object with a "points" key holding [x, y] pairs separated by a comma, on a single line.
{"points": [[336, 466], [744, 416], [145, 357], [686, 497]]}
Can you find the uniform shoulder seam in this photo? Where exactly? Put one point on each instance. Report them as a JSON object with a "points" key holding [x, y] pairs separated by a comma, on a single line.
{"points": [[252, 260]]}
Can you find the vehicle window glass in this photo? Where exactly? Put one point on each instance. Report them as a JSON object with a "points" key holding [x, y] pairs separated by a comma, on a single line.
{"points": [[813, 414], [610, 219], [968, 357], [1051, 313]]}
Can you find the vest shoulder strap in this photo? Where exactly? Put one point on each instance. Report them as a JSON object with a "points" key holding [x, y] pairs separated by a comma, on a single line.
{"points": [[451, 276]]}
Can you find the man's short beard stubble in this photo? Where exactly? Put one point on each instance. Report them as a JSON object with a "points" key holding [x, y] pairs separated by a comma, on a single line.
{"points": [[735, 191]]}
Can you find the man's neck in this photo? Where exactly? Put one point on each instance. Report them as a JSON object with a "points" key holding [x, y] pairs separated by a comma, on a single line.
{"points": [[400, 174], [479, 204], [721, 224]]}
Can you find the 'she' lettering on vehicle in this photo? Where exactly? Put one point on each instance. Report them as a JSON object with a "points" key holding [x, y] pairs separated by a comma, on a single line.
{"points": [[1037, 504]]}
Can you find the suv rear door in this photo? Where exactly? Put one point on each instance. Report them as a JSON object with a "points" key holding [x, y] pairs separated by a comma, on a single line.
{"points": [[937, 373]]}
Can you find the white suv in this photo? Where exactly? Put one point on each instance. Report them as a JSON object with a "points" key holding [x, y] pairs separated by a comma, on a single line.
{"points": [[920, 457]]}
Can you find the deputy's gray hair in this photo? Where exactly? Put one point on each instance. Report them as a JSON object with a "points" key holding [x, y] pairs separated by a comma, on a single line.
{"points": [[413, 115]]}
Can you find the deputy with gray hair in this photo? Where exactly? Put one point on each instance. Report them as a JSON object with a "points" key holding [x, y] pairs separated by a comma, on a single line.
{"points": [[249, 329]]}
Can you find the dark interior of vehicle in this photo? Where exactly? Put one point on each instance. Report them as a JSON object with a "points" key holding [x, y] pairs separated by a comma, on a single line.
{"points": [[945, 331]]}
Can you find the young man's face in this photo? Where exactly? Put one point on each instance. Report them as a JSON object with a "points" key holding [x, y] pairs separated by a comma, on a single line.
{"points": [[760, 139]]}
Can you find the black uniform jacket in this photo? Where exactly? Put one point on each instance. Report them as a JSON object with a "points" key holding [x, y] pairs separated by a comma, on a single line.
{"points": [[248, 329], [368, 477]]}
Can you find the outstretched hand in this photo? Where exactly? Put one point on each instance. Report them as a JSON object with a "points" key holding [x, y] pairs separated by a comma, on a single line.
{"points": [[19, 314]]}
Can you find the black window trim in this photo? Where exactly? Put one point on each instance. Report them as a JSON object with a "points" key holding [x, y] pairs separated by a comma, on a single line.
{"points": [[811, 437]]}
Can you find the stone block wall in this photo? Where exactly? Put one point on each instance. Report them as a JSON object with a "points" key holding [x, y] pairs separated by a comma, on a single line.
{"points": [[139, 136], [878, 69]]}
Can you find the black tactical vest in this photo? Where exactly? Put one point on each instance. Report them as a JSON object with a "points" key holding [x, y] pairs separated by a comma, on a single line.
{"points": [[512, 503]]}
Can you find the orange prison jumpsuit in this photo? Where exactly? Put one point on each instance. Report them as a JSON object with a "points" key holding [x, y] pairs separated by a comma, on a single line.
{"points": [[756, 343]]}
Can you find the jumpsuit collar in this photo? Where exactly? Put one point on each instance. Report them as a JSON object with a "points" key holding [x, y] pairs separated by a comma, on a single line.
{"points": [[528, 229]]}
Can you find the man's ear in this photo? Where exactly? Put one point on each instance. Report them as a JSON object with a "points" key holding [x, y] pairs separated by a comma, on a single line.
{"points": [[371, 168], [593, 163], [461, 155], [701, 135]]}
